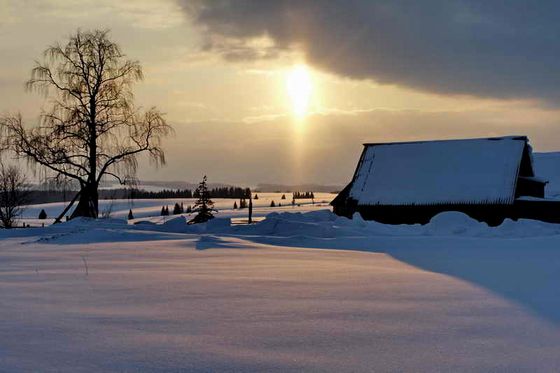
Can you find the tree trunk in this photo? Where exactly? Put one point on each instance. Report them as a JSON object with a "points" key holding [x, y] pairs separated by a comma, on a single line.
{"points": [[59, 218], [88, 205]]}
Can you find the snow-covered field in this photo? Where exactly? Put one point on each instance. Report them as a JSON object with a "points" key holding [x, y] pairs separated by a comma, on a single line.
{"points": [[151, 208], [294, 292]]}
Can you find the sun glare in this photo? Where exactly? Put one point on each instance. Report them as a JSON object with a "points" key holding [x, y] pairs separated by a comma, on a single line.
{"points": [[299, 87]]}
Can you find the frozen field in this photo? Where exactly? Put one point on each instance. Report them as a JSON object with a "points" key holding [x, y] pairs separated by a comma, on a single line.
{"points": [[294, 292], [151, 208]]}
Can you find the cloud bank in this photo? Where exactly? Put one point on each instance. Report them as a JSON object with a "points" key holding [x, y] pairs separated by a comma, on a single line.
{"points": [[481, 48]]}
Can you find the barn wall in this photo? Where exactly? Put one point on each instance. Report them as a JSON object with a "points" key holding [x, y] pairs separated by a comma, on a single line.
{"points": [[548, 211], [527, 187], [491, 214]]}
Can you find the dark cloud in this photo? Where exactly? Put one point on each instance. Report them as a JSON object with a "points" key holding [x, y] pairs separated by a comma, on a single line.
{"points": [[483, 48]]}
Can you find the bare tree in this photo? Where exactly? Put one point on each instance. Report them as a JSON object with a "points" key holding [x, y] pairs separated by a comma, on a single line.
{"points": [[14, 192], [92, 129]]}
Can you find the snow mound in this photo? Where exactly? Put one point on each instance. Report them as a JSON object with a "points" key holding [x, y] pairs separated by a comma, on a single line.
{"points": [[293, 224], [82, 221], [524, 228], [453, 223], [325, 224]]}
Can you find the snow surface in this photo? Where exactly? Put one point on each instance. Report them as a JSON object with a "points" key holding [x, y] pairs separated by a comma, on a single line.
{"points": [[144, 208], [439, 172], [297, 291]]}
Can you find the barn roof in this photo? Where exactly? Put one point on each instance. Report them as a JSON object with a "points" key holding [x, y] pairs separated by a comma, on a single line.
{"points": [[469, 171]]}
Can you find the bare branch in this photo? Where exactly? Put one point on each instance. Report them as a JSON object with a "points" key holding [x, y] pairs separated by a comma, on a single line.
{"points": [[92, 128]]}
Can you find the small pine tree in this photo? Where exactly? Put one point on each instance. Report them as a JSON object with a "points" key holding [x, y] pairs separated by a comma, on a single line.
{"points": [[203, 205], [176, 209], [43, 215], [130, 216], [272, 204], [189, 209], [162, 211], [235, 205], [283, 196], [280, 205], [293, 202], [166, 211], [182, 208], [256, 196]]}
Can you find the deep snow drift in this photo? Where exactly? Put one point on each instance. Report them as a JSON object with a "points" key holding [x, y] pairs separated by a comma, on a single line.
{"points": [[323, 224], [453, 295]]}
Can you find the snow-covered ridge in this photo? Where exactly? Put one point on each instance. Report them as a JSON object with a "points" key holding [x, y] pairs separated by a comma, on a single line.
{"points": [[320, 224], [325, 224]]}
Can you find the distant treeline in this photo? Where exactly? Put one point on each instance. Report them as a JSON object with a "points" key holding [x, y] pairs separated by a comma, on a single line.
{"points": [[48, 196], [227, 192], [303, 195], [164, 193]]}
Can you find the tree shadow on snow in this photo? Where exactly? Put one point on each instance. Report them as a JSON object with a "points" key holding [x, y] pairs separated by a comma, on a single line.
{"points": [[206, 242]]}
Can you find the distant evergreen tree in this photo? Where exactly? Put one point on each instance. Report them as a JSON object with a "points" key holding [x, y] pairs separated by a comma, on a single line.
{"points": [[162, 211], [283, 196], [293, 202], [130, 216], [235, 205], [43, 215], [176, 209], [189, 209], [272, 204], [300, 195], [182, 208], [203, 205], [280, 205], [242, 203], [256, 196]]}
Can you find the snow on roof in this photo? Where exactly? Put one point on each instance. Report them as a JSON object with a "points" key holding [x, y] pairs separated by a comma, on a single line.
{"points": [[470, 171]]}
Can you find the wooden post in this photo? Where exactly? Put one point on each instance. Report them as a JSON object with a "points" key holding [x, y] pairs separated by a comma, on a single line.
{"points": [[250, 220]]}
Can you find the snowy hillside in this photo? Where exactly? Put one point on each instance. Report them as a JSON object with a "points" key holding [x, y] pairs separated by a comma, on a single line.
{"points": [[454, 295], [547, 166]]}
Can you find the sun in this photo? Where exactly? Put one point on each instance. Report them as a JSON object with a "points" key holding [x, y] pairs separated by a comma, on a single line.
{"points": [[299, 87]]}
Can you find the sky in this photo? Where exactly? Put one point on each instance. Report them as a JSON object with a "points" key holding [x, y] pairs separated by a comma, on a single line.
{"points": [[287, 91]]}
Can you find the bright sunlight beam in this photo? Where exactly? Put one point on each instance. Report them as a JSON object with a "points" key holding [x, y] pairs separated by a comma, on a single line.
{"points": [[299, 87]]}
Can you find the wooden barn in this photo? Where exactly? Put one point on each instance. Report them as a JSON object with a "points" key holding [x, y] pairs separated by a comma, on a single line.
{"points": [[489, 179]]}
